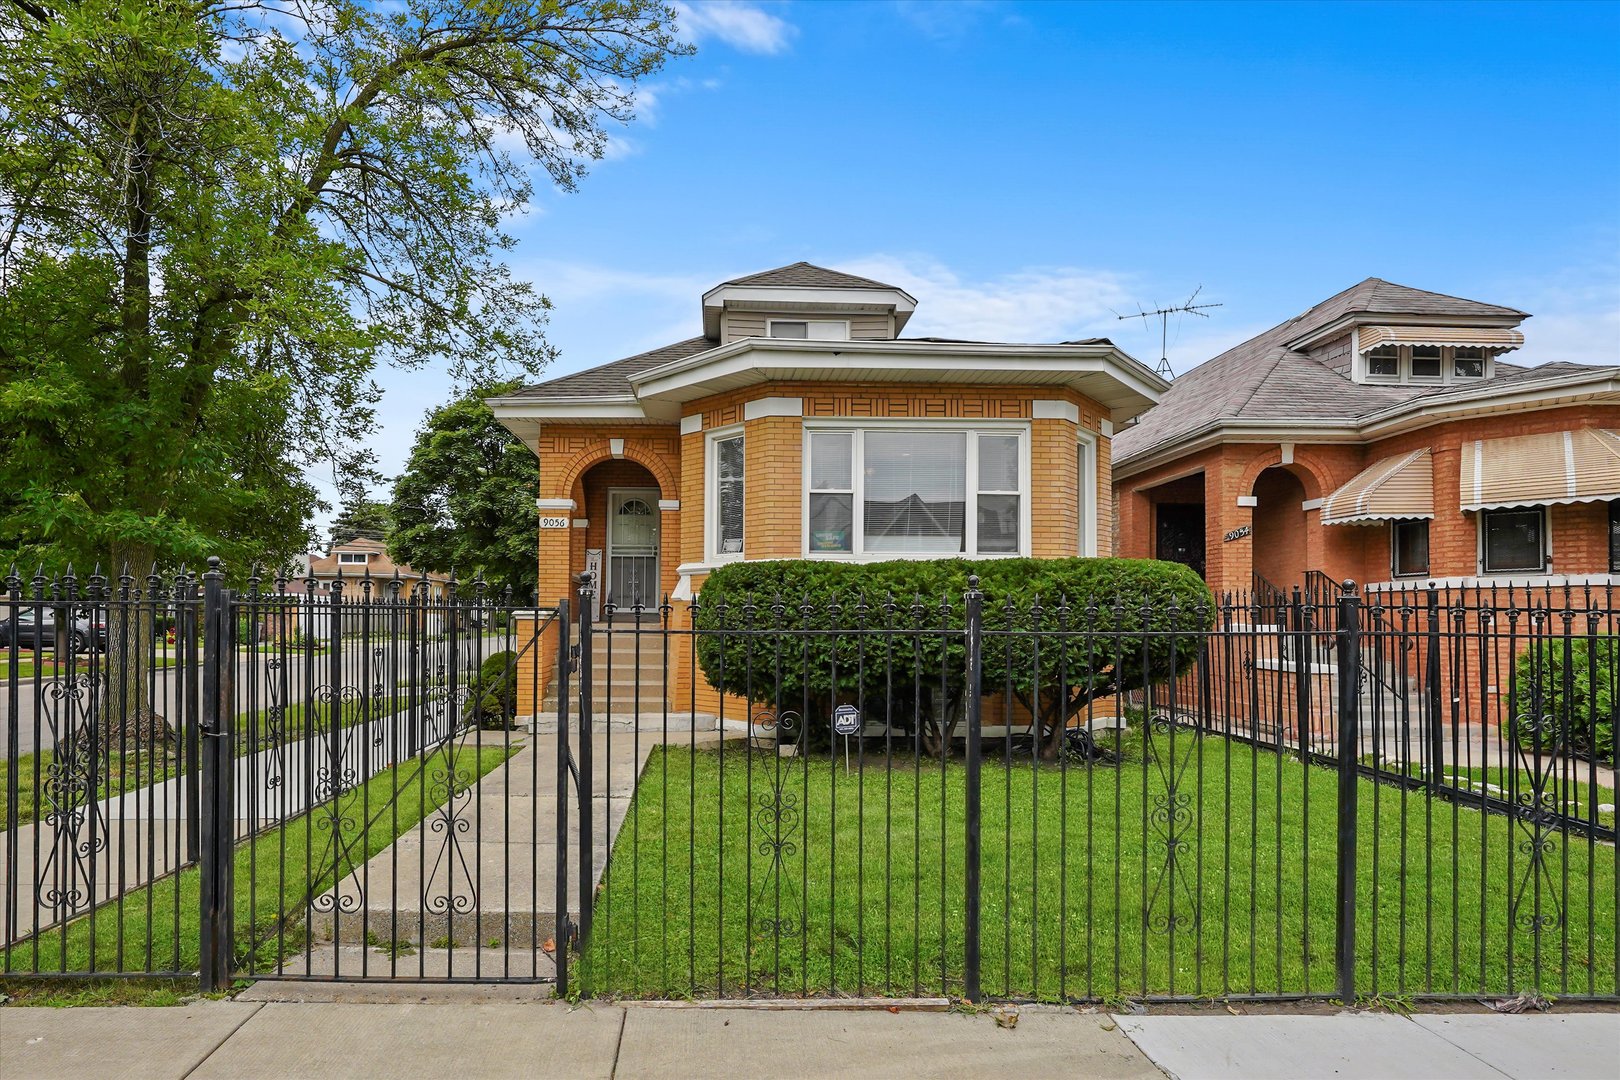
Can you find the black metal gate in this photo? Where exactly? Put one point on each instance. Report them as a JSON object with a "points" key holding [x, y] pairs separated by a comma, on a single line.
{"points": [[1267, 798]]}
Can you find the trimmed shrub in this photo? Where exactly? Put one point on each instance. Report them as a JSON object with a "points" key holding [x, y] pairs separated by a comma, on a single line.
{"points": [[800, 636], [1564, 695], [492, 693]]}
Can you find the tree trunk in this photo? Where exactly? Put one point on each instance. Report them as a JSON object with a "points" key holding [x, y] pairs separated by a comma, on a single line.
{"points": [[135, 704]]}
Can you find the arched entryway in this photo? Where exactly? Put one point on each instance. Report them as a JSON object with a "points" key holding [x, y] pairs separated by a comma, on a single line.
{"points": [[1280, 529], [624, 533]]}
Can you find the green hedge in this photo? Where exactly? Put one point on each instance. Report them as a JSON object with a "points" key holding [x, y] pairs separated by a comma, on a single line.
{"points": [[492, 693], [1564, 695], [800, 636]]}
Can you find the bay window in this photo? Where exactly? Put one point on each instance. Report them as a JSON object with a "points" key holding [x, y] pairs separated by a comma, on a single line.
{"points": [[937, 490]]}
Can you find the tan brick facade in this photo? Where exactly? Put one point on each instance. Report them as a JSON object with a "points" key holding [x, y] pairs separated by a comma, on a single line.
{"points": [[577, 463]]}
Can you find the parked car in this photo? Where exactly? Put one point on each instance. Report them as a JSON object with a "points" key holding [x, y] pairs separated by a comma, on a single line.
{"points": [[36, 628]]}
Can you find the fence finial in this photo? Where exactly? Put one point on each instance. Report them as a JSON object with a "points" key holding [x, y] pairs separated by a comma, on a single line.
{"points": [[1348, 586]]}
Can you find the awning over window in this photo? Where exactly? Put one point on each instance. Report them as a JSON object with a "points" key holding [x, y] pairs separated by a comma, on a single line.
{"points": [[1498, 340], [1388, 490], [1538, 470]]}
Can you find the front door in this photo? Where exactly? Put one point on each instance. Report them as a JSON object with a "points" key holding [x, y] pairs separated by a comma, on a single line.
{"points": [[1181, 534], [632, 570]]}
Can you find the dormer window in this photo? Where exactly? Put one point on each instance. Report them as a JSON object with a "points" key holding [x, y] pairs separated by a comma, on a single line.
{"points": [[347, 558], [809, 329], [1426, 362], [1468, 362], [1384, 362]]}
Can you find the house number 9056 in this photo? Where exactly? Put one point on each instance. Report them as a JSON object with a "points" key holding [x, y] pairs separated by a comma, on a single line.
{"points": [[554, 523]]}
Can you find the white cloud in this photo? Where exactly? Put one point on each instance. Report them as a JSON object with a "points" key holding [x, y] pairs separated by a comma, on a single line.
{"points": [[1576, 321], [1044, 303], [743, 26]]}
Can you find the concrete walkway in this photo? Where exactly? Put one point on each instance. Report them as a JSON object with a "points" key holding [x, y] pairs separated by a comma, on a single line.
{"points": [[460, 1034]]}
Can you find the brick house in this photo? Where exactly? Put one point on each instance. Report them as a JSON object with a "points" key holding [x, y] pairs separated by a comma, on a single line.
{"points": [[365, 557], [1380, 436], [801, 423]]}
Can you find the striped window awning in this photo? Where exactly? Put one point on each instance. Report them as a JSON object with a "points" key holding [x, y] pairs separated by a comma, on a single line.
{"points": [[1496, 340], [1392, 489], [1539, 470]]}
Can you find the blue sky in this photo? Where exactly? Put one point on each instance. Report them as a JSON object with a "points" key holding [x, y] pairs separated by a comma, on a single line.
{"points": [[1027, 170]]}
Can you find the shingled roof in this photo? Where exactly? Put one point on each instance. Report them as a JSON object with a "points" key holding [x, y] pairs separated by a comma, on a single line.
{"points": [[1263, 379], [808, 276], [613, 378]]}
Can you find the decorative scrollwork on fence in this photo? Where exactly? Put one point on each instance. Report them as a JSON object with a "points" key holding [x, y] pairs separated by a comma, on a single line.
{"points": [[71, 791], [1537, 745], [450, 789], [777, 816], [1173, 902]]}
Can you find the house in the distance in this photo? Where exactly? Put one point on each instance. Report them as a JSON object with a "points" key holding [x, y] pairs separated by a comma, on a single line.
{"points": [[367, 571], [801, 422], [1381, 436]]}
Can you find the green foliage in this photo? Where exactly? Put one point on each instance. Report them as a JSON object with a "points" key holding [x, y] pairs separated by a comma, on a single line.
{"points": [[362, 518], [1564, 695], [493, 691], [216, 225], [1058, 633], [465, 501]]}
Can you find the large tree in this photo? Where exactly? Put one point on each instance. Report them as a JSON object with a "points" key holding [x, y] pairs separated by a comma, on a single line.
{"points": [[361, 518], [465, 501], [217, 216]]}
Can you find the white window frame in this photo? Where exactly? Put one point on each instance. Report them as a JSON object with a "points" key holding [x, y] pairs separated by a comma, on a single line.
{"points": [[711, 492], [808, 322], [971, 428], [1441, 362], [353, 558], [1086, 494], [1400, 365], [1403, 368], [1546, 540]]}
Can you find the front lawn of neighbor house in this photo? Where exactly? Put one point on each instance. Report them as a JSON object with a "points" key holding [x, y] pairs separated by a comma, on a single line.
{"points": [[1080, 899]]}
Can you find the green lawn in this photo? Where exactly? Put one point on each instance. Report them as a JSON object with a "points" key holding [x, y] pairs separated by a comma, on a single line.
{"points": [[1077, 900], [275, 876], [27, 665], [1579, 799]]}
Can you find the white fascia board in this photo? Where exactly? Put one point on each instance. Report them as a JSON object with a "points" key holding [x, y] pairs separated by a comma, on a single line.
{"points": [[1217, 432], [925, 359], [617, 407], [1434, 409]]}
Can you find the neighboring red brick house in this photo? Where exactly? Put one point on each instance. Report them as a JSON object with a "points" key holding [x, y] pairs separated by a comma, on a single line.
{"points": [[1380, 436], [800, 424]]}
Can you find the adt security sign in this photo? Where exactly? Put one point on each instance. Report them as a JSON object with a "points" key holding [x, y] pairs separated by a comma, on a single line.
{"points": [[846, 720]]}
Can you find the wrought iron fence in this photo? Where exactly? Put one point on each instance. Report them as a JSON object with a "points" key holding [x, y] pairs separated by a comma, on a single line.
{"points": [[1406, 793]]}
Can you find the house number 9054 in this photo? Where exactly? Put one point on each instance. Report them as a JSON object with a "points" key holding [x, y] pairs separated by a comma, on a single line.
{"points": [[1238, 533]]}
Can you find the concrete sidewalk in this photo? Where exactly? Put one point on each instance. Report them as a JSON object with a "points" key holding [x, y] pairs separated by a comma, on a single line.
{"points": [[464, 1036]]}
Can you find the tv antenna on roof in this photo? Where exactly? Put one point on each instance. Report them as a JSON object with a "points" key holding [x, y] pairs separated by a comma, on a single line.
{"points": [[1162, 369]]}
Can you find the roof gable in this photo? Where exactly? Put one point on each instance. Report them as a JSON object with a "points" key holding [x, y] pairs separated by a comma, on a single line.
{"points": [[808, 275]]}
